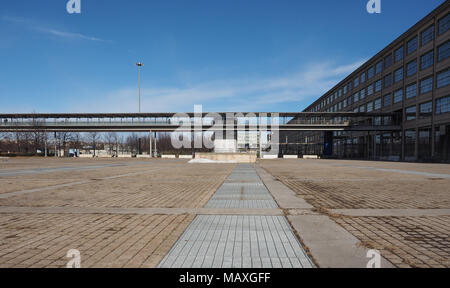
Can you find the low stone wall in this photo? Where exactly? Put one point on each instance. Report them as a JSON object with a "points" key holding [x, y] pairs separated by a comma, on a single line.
{"points": [[290, 157], [124, 156], [104, 156], [237, 157], [142, 156], [185, 156], [270, 156], [86, 156], [310, 157], [168, 156]]}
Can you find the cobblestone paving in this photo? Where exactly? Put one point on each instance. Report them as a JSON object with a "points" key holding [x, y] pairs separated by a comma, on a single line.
{"points": [[32, 239], [405, 241], [42, 240], [419, 241], [327, 184], [152, 188], [239, 241]]}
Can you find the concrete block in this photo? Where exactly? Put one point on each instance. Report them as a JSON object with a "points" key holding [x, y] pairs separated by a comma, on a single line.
{"points": [[185, 156], [142, 156], [168, 156], [290, 156], [310, 157], [270, 156], [124, 156], [86, 156]]}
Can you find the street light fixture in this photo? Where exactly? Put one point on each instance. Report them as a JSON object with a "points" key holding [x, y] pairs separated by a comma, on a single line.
{"points": [[139, 64]]}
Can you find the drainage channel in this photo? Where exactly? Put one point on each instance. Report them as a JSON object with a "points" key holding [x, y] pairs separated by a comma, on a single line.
{"points": [[238, 241]]}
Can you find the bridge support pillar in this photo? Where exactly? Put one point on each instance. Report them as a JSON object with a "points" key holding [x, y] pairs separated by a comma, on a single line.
{"points": [[156, 150], [45, 143], [151, 150], [56, 155]]}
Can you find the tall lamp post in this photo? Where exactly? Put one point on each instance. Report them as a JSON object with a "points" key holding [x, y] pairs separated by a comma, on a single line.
{"points": [[139, 64]]}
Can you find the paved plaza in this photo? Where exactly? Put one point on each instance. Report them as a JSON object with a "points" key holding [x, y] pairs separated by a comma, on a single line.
{"points": [[276, 213]]}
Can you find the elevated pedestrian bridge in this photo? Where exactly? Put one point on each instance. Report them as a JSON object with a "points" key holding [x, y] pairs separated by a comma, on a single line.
{"points": [[196, 122]]}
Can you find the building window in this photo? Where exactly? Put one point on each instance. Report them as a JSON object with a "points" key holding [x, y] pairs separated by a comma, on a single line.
{"points": [[379, 67], [387, 80], [363, 77], [443, 78], [427, 60], [412, 45], [345, 89], [378, 122], [444, 23], [427, 35], [443, 105], [378, 86], [349, 101], [426, 109], [362, 94], [444, 51], [355, 97], [388, 61], [411, 91], [398, 75], [411, 113], [370, 107], [411, 68], [399, 54], [345, 103], [426, 85], [340, 92], [355, 109], [387, 100], [356, 82], [398, 96], [377, 104], [362, 108], [370, 73], [370, 89]]}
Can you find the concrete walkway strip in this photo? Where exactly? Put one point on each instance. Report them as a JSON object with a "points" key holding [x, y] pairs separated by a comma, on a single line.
{"points": [[285, 197], [390, 212], [235, 241], [139, 211]]}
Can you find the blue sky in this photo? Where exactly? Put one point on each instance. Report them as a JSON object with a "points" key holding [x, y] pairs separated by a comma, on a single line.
{"points": [[228, 55]]}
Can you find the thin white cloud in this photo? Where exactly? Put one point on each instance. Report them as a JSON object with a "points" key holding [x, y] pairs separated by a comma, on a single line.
{"points": [[30, 24], [68, 35], [230, 95]]}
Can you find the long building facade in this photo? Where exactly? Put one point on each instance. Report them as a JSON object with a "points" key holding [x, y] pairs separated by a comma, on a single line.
{"points": [[411, 77]]}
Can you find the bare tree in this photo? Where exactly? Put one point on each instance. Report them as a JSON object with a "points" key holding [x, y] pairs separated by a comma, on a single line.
{"points": [[132, 143], [93, 138], [111, 139], [76, 140], [63, 139]]}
